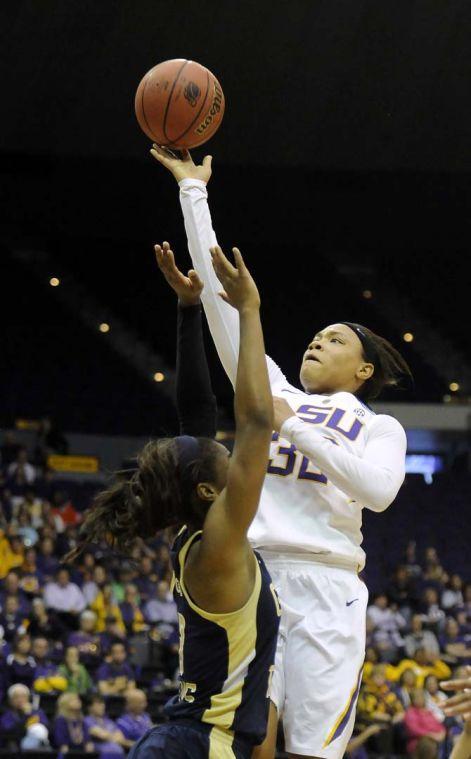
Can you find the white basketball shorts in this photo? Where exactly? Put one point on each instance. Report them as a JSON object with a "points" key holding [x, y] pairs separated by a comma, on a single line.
{"points": [[320, 653]]}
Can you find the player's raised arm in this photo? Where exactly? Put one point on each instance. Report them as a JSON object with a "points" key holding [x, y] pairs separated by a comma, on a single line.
{"points": [[224, 539], [196, 403], [222, 319]]}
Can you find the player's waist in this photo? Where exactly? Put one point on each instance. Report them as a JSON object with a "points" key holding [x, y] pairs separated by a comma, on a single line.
{"points": [[279, 557], [221, 737]]}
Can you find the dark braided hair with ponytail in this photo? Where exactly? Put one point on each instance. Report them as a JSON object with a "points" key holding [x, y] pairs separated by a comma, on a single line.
{"points": [[389, 366], [160, 493]]}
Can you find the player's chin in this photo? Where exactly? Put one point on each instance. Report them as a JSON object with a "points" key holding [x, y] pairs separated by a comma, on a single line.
{"points": [[311, 376]]}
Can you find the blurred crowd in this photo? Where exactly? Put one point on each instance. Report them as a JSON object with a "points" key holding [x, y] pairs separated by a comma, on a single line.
{"points": [[89, 652], [418, 634]]}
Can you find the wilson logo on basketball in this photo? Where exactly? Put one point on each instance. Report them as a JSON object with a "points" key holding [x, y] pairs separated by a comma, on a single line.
{"points": [[215, 108], [192, 93]]}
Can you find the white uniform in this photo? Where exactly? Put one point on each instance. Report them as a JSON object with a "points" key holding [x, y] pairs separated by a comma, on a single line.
{"points": [[331, 460]]}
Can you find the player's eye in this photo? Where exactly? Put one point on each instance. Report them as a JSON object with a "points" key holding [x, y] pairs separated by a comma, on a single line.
{"points": [[336, 340]]}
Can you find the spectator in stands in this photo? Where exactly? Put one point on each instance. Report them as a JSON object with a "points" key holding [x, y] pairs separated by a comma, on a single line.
{"points": [[162, 608], [44, 622], [420, 638], [18, 721], [47, 676], [116, 677], [105, 606], [131, 613], [434, 697], [70, 731], [76, 675], [11, 553], [410, 560], [402, 591], [407, 683], [135, 721], [24, 529], [452, 596], [432, 615], [424, 663], [34, 507], [124, 575], [388, 622], [108, 740], [11, 619], [378, 703], [31, 579], [113, 633], [147, 580], [91, 588], [86, 639], [424, 731], [48, 563], [63, 595], [10, 586], [20, 665], [63, 507], [456, 646], [22, 468]]}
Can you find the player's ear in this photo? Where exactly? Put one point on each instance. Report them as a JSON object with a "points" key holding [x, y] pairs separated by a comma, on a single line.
{"points": [[206, 491], [365, 371]]}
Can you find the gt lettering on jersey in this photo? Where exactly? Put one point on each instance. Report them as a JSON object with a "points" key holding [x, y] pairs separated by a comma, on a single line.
{"points": [[331, 418]]}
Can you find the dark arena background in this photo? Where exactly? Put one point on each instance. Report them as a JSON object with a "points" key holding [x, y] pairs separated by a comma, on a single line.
{"points": [[342, 170]]}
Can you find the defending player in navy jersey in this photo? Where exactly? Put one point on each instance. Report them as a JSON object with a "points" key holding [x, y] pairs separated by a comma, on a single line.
{"points": [[227, 608], [331, 457]]}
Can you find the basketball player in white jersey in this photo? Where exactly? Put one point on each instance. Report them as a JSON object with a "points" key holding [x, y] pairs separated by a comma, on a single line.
{"points": [[331, 456]]}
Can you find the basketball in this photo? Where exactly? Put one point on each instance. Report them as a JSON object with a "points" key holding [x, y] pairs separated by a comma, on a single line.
{"points": [[179, 104]]}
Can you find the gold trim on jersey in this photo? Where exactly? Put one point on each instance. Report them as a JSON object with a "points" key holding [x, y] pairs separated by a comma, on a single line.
{"points": [[241, 631]]}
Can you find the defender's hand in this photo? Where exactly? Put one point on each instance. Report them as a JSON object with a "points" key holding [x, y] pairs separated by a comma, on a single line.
{"points": [[187, 288], [182, 168], [281, 412], [240, 290]]}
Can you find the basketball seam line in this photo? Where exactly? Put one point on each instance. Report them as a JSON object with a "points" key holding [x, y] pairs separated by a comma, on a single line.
{"points": [[170, 98], [197, 115]]}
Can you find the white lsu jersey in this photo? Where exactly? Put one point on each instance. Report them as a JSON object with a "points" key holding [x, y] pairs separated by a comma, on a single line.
{"points": [[332, 458], [301, 509]]}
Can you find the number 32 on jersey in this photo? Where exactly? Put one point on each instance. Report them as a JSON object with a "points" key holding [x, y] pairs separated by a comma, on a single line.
{"points": [[287, 460]]}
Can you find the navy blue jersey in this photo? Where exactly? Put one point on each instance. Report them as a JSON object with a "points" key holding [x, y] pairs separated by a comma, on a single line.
{"points": [[225, 659]]}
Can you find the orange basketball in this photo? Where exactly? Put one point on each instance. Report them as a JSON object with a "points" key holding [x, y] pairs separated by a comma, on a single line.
{"points": [[179, 103]]}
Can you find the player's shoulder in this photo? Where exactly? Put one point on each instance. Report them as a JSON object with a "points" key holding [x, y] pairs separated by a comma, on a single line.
{"points": [[350, 402]]}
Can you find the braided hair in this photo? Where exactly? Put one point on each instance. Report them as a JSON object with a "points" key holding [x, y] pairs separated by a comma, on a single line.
{"points": [[160, 493]]}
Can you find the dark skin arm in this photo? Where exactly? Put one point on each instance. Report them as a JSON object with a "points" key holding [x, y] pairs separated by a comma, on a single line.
{"points": [[222, 565]]}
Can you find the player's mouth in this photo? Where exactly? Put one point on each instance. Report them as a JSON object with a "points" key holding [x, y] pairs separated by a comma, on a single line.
{"points": [[311, 357]]}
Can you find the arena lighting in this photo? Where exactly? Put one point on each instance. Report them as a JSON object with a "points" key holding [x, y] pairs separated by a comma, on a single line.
{"points": [[54, 282], [408, 337], [367, 294], [454, 386], [159, 377], [104, 327]]}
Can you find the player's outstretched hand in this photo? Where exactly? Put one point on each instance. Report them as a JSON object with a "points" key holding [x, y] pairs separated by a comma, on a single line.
{"points": [[182, 167], [240, 289], [187, 288], [461, 703]]}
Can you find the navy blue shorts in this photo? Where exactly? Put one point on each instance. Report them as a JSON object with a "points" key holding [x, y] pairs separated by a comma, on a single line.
{"points": [[186, 739]]}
